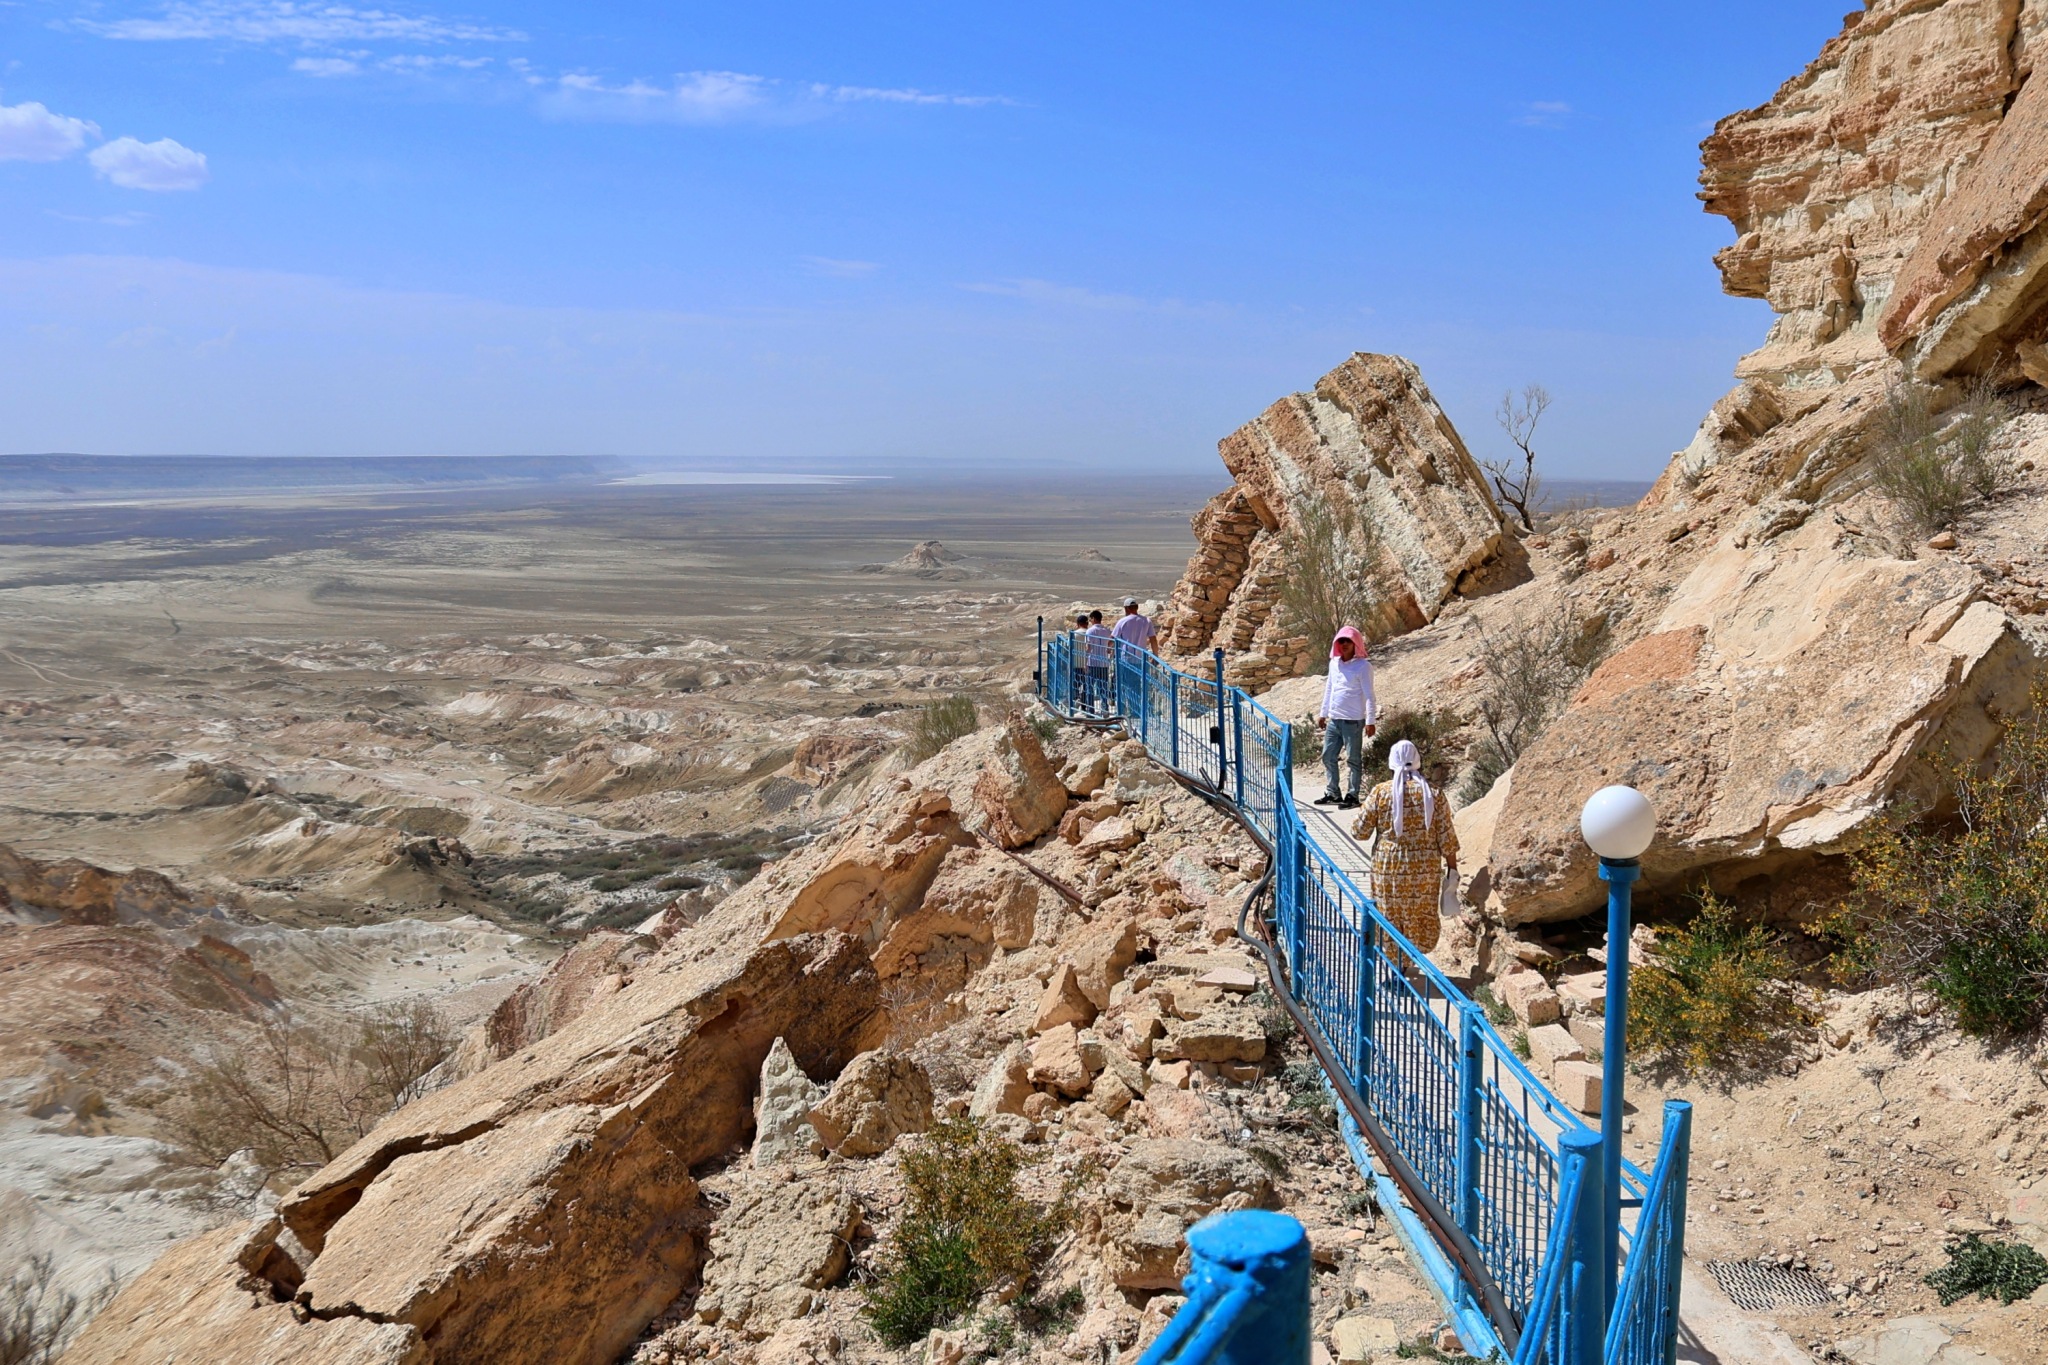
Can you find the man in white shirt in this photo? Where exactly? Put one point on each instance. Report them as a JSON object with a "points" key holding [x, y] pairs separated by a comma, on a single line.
{"points": [[1100, 644], [1134, 629], [1347, 715]]}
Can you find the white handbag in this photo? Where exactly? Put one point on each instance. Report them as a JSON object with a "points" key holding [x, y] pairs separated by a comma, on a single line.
{"points": [[1447, 902]]}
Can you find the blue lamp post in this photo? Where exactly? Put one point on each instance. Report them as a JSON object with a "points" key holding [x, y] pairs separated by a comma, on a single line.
{"points": [[1618, 824]]}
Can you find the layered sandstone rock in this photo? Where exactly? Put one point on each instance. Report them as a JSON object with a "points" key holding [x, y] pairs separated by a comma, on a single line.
{"points": [[1369, 442], [1790, 660], [1782, 699], [1888, 205]]}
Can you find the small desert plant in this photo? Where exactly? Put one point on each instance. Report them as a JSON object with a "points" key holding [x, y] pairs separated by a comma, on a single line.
{"points": [[1333, 574], [1517, 484], [1934, 467], [1529, 669], [2006, 1271], [298, 1093], [938, 724], [1045, 725], [1960, 907], [1497, 1013], [965, 1228], [1427, 729], [1718, 997], [37, 1317]]}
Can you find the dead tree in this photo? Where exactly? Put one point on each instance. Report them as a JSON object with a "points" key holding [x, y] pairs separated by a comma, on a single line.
{"points": [[1519, 487]]}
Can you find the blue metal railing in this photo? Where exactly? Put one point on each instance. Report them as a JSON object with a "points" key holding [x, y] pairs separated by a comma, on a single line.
{"points": [[1247, 1294], [1483, 1145]]}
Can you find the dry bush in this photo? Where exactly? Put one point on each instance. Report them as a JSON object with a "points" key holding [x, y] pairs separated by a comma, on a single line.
{"points": [[1959, 907], [37, 1318], [299, 1093], [1718, 998], [1934, 468], [1528, 671], [939, 723], [1333, 574]]}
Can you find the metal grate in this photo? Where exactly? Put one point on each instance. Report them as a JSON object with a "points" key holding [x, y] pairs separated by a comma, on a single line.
{"points": [[1758, 1287]]}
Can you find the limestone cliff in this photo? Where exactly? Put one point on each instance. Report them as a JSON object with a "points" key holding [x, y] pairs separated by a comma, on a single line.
{"points": [[1368, 441]]}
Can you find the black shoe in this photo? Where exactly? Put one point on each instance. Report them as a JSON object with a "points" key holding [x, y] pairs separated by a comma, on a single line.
{"points": [[1350, 802], [1329, 799]]}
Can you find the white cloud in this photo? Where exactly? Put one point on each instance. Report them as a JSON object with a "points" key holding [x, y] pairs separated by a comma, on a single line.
{"points": [[29, 132], [327, 66], [1544, 114], [1069, 295], [723, 97], [286, 21], [414, 64], [695, 97], [161, 165], [123, 220], [837, 269], [1049, 294], [848, 93]]}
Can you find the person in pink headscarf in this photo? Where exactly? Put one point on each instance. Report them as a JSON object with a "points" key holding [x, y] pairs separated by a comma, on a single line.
{"points": [[1347, 715]]}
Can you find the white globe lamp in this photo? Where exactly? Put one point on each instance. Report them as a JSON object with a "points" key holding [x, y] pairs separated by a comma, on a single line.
{"points": [[1618, 823]]}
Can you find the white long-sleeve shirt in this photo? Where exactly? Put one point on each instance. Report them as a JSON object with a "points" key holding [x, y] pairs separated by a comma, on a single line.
{"points": [[1347, 692]]}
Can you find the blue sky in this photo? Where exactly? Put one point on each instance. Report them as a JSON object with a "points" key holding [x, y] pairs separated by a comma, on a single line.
{"points": [[1097, 235]]}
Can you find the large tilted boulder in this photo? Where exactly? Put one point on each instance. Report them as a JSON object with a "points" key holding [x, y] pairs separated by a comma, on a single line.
{"points": [[1370, 442], [541, 1210], [1780, 702], [200, 1302]]}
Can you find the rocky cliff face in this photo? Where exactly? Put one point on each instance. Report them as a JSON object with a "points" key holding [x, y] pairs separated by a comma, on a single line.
{"points": [[1786, 657], [1368, 442], [1887, 202], [698, 1129]]}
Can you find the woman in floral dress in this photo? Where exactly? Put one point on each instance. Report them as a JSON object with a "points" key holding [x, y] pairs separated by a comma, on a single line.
{"points": [[1417, 844]]}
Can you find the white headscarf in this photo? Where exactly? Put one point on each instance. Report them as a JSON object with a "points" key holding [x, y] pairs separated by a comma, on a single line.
{"points": [[1406, 761]]}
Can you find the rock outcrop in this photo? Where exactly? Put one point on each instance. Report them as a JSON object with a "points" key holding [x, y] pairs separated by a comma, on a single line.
{"points": [[1369, 442], [1788, 656]]}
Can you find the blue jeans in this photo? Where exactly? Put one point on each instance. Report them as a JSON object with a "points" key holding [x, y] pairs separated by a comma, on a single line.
{"points": [[1340, 735], [1098, 689]]}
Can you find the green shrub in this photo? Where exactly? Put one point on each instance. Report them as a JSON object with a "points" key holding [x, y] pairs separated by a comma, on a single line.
{"points": [[2006, 1271], [1497, 1013], [965, 1228], [1720, 997], [938, 724], [1934, 468], [1046, 726], [1960, 907]]}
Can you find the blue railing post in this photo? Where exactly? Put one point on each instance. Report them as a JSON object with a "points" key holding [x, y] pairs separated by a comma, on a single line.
{"points": [[1222, 733], [1237, 742], [1678, 1151], [1619, 874], [1585, 1313], [1271, 1251], [1173, 736], [1361, 1015], [1038, 673], [1470, 1080]]}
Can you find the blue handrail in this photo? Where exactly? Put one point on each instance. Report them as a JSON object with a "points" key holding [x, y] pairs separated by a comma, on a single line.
{"points": [[1491, 1147]]}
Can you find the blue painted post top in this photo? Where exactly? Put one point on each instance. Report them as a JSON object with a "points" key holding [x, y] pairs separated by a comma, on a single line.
{"points": [[1271, 1250]]}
